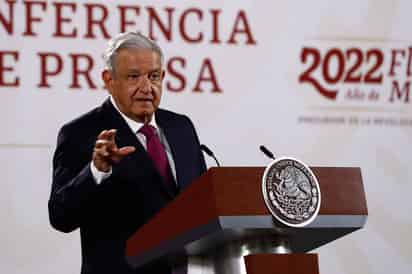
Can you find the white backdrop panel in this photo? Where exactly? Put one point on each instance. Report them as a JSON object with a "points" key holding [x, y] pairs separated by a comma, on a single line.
{"points": [[262, 102]]}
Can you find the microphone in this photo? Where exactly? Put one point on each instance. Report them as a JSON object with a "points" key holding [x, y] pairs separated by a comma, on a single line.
{"points": [[267, 152], [205, 149]]}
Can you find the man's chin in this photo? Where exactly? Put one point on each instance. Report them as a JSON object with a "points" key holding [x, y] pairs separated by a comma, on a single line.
{"points": [[144, 116]]}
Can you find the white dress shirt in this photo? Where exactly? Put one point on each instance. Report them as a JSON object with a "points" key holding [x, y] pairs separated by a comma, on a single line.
{"points": [[99, 176]]}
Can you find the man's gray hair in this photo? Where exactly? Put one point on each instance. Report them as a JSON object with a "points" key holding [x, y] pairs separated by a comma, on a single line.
{"points": [[127, 40]]}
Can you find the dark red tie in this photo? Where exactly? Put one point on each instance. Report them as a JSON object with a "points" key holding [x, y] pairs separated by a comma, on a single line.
{"points": [[157, 152]]}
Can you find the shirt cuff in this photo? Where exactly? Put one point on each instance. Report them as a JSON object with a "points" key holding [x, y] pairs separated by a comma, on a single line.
{"points": [[98, 175]]}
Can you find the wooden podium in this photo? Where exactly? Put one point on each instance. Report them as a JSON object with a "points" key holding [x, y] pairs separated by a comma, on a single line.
{"points": [[222, 224]]}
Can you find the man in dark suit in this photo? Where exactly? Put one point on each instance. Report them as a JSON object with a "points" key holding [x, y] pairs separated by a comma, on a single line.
{"points": [[119, 164]]}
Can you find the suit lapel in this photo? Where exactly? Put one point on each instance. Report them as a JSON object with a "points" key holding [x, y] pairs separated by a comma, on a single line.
{"points": [[171, 132], [125, 137]]}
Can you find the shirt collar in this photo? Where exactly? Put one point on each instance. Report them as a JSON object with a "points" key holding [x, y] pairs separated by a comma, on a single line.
{"points": [[134, 126]]}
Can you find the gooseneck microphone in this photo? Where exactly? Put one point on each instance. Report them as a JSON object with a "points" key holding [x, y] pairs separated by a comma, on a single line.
{"points": [[205, 149], [267, 152]]}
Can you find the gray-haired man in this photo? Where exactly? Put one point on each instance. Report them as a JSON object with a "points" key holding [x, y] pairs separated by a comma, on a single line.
{"points": [[119, 164]]}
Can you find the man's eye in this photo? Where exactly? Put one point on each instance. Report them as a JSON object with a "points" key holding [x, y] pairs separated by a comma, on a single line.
{"points": [[154, 76], [132, 76]]}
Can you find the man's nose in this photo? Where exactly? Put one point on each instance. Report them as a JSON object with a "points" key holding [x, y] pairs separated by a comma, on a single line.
{"points": [[145, 85]]}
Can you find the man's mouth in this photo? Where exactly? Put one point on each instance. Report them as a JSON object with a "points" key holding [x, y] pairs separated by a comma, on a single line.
{"points": [[144, 99]]}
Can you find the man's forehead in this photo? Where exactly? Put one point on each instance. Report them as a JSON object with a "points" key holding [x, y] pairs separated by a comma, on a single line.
{"points": [[138, 60], [129, 56]]}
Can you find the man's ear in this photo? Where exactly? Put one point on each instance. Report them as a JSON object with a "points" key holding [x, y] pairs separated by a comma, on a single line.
{"points": [[107, 79]]}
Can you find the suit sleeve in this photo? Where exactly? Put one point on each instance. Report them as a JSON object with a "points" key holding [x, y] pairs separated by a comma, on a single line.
{"points": [[72, 185]]}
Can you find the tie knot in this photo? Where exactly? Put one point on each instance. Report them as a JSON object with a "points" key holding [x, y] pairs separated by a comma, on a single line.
{"points": [[148, 131]]}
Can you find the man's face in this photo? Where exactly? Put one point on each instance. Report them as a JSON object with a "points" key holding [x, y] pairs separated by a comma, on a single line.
{"points": [[136, 85]]}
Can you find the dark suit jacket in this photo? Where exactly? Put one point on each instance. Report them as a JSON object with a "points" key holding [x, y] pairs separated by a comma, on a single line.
{"points": [[108, 214]]}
